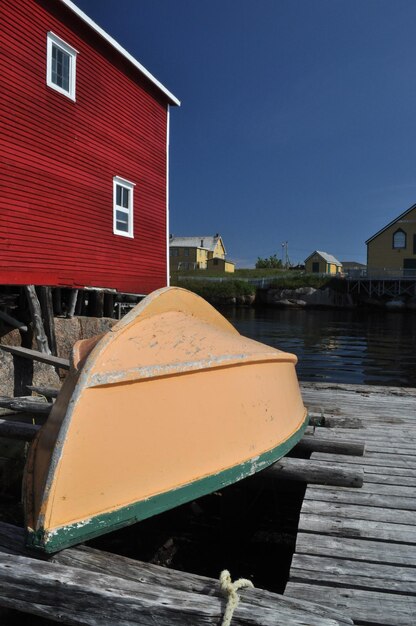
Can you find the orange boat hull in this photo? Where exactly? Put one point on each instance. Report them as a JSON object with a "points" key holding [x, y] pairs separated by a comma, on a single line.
{"points": [[169, 405]]}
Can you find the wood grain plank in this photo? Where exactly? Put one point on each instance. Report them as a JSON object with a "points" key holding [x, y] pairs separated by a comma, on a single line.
{"points": [[365, 607]]}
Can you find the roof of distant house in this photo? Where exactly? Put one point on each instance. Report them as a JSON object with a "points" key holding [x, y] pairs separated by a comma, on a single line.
{"points": [[73, 7], [204, 242], [350, 265], [329, 258]]}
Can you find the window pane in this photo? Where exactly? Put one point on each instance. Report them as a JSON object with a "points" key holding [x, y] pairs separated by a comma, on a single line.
{"points": [[399, 239], [122, 217], [125, 198], [119, 189], [60, 67]]}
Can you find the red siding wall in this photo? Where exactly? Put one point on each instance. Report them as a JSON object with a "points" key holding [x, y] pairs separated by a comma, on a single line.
{"points": [[59, 158]]}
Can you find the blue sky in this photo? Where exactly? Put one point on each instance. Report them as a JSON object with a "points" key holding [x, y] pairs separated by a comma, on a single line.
{"points": [[298, 117]]}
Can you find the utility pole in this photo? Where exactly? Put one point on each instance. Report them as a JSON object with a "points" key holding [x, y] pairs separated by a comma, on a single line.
{"points": [[285, 254]]}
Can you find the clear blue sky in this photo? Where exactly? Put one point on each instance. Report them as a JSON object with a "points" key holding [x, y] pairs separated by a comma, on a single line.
{"points": [[298, 117]]}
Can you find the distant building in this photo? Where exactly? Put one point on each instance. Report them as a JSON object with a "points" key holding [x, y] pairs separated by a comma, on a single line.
{"points": [[392, 250], [322, 263], [220, 265], [198, 253], [353, 269]]}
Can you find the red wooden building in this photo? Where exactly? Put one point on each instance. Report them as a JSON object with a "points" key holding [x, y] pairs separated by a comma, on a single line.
{"points": [[84, 149]]}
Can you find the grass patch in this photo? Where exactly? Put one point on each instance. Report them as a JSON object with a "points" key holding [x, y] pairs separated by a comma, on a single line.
{"points": [[214, 290]]}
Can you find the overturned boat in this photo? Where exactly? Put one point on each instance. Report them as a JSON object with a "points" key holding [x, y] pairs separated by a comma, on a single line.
{"points": [[169, 405]]}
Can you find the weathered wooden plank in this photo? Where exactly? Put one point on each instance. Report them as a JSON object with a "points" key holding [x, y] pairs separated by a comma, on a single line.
{"points": [[310, 443], [34, 355], [362, 497], [144, 587], [318, 472], [397, 461], [374, 390], [356, 549], [18, 430], [365, 607], [336, 572], [334, 421], [371, 488], [372, 437], [347, 527], [26, 404], [358, 512], [389, 479]]}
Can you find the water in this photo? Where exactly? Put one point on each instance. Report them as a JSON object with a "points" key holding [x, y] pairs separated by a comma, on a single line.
{"points": [[356, 346]]}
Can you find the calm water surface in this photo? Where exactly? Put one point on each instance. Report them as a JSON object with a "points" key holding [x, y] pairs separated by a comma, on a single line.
{"points": [[359, 347]]}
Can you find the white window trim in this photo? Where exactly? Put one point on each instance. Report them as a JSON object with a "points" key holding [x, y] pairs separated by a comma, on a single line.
{"points": [[53, 39], [117, 180]]}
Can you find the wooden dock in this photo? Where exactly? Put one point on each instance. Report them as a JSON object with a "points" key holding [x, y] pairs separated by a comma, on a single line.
{"points": [[355, 556], [355, 548]]}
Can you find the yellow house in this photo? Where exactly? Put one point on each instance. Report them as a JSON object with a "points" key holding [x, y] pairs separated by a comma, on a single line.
{"points": [[322, 263], [392, 251], [220, 265], [191, 253]]}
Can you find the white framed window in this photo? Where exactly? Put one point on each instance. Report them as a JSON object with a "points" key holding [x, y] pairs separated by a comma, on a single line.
{"points": [[61, 61], [123, 207], [399, 239]]}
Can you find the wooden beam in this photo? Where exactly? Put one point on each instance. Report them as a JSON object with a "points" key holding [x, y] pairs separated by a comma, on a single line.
{"points": [[35, 355], [11, 321], [311, 443], [18, 430], [37, 321], [27, 405], [308, 471], [48, 392]]}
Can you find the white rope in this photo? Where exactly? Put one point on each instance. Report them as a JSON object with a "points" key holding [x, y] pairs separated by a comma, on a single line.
{"points": [[229, 589]]}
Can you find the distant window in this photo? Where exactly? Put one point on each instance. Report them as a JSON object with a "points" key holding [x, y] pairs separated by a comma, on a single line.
{"points": [[174, 252], [186, 251], [122, 207], [215, 261], [399, 239], [60, 66]]}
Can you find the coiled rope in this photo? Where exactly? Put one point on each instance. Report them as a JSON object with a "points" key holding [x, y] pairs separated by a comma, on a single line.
{"points": [[229, 589]]}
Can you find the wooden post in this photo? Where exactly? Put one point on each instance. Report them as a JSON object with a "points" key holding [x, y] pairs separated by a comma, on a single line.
{"points": [[96, 303], [80, 303], [23, 368], [72, 302], [37, 321], [57, 301], [108, 305], [45, 299]]}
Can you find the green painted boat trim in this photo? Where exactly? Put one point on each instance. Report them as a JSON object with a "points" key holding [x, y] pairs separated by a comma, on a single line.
{"points": [[65, 536]]}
